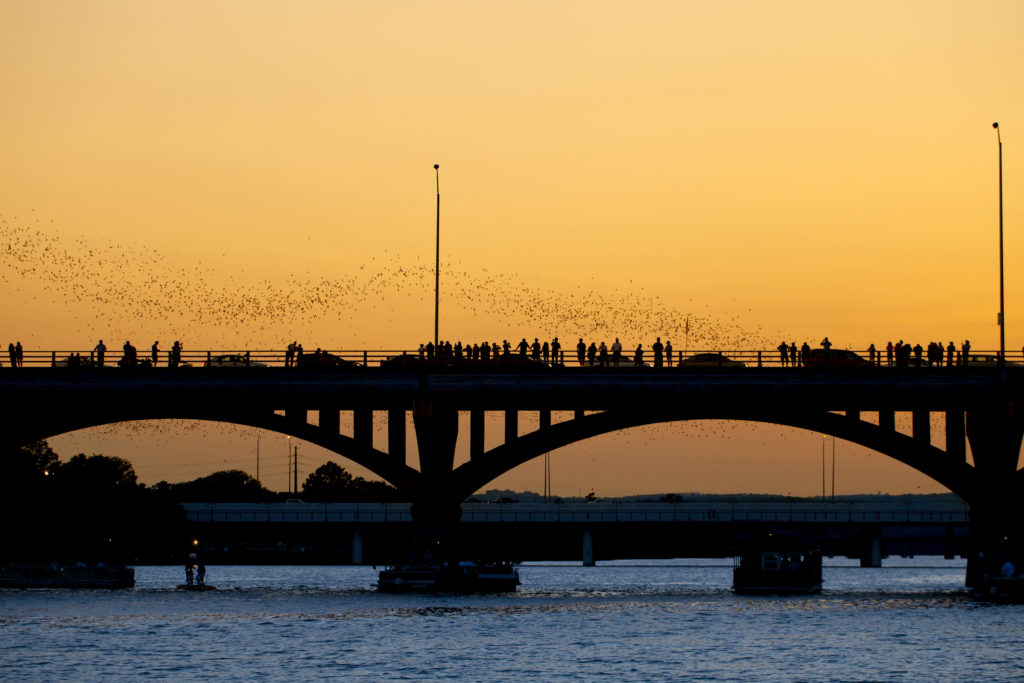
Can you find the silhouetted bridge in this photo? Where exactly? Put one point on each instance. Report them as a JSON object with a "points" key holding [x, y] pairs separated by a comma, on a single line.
{"points": [[979, 406]]}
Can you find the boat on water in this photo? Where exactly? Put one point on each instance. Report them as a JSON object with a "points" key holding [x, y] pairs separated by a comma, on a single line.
{"points": [[449, 577], [777, 564], [1007, 589], [57, 575]]}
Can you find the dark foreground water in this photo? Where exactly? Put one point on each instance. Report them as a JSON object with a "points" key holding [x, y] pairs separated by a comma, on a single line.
{"points": [[638, 621]]}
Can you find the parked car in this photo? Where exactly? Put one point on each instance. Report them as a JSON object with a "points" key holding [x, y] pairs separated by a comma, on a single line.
{"points": [[233, 360], [711, 360], [835, 358]]}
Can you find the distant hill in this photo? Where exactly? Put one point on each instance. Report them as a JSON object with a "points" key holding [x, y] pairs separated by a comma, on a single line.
{"points": [[506, 496]]}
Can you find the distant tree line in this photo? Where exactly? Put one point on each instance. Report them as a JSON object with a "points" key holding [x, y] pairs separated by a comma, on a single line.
{"points": [[92, 507]]}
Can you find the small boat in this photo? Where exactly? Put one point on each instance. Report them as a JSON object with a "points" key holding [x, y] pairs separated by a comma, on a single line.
{"points": [[777, 564], [56, 575], [449, 577]]}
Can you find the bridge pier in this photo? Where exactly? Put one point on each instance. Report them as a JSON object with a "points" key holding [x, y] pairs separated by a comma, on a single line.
{"points": [[436, 509], [357, 546], [997, 503], [871, 555], [587, 543]]}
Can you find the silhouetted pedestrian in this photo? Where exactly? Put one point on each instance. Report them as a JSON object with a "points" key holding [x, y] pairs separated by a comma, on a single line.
{"points": [[154, 353], [602, 355], [784, 354], [535, 349], [668, 353], [12, 354], [100, 350], [556, 350], [950, 352], [592, 353], [871, 354], [581, 351], [965, 352], [638, 355], [19, 354], [658, 349], [616, 351], [545, 351], [889, 349]]}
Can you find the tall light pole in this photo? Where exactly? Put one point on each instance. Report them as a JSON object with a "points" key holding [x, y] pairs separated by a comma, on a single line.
{"points": [[1002, 310], [437, 255]]}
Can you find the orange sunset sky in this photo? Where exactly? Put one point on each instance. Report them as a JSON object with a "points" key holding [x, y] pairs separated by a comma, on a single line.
{"points": [[237, 175]]}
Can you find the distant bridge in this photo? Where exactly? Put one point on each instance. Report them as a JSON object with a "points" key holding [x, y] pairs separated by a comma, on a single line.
{"points": [[363, 532]]}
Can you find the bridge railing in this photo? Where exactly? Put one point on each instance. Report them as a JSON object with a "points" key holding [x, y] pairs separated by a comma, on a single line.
{"points": [[588, 513], [725, 358]]}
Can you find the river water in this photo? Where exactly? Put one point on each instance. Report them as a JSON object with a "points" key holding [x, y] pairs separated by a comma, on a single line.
{"points": [[637, 621]]}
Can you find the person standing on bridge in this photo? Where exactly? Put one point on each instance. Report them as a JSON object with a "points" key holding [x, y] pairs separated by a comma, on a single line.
{"points": [[638, 356], [784, 354], [805, 353], [616, 352], [535, 349], [12, 354], [658, 349], [19, 354], [950, 352], [545, 351], [592, 353], [871, 354], [889, 353], [581, 351], [668, 353], [602, 355], [965, 349], [100, 350], [556, 349], [154, 353]]}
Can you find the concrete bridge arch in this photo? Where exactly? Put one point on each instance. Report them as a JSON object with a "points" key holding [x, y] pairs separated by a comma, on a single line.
{"points": [[948, 469]]}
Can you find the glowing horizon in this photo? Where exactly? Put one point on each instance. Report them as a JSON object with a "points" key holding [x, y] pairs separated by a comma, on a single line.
{"points": [[790, 171]]}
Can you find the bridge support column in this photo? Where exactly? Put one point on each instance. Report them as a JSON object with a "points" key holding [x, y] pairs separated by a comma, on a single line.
{"points": [[330, 421], [872, 553], [921, 424], [956, 435], [396, 434], [362, 427], [587, 542], [476, 433], [357, 547], [995, 433], [436, 509]]}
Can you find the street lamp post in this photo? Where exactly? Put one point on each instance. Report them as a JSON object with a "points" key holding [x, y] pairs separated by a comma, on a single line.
{"points": [[437, 255], [1002, 310]]}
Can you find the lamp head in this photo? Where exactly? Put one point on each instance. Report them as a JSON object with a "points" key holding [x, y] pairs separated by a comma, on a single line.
{"points": [[436, 166], [994, 125]]}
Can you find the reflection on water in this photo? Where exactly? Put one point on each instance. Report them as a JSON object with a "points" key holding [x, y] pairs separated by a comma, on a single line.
{"points": [[617, 621]]}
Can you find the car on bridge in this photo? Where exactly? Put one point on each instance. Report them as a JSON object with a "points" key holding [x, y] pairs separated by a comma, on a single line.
{"points": [[322, 359], [233, 360], [835, 358], [986, 360], [711, 360]]}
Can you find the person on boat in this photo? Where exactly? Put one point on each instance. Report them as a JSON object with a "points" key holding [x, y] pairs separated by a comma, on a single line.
{"points": [[189, 575], [201, 575]]}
